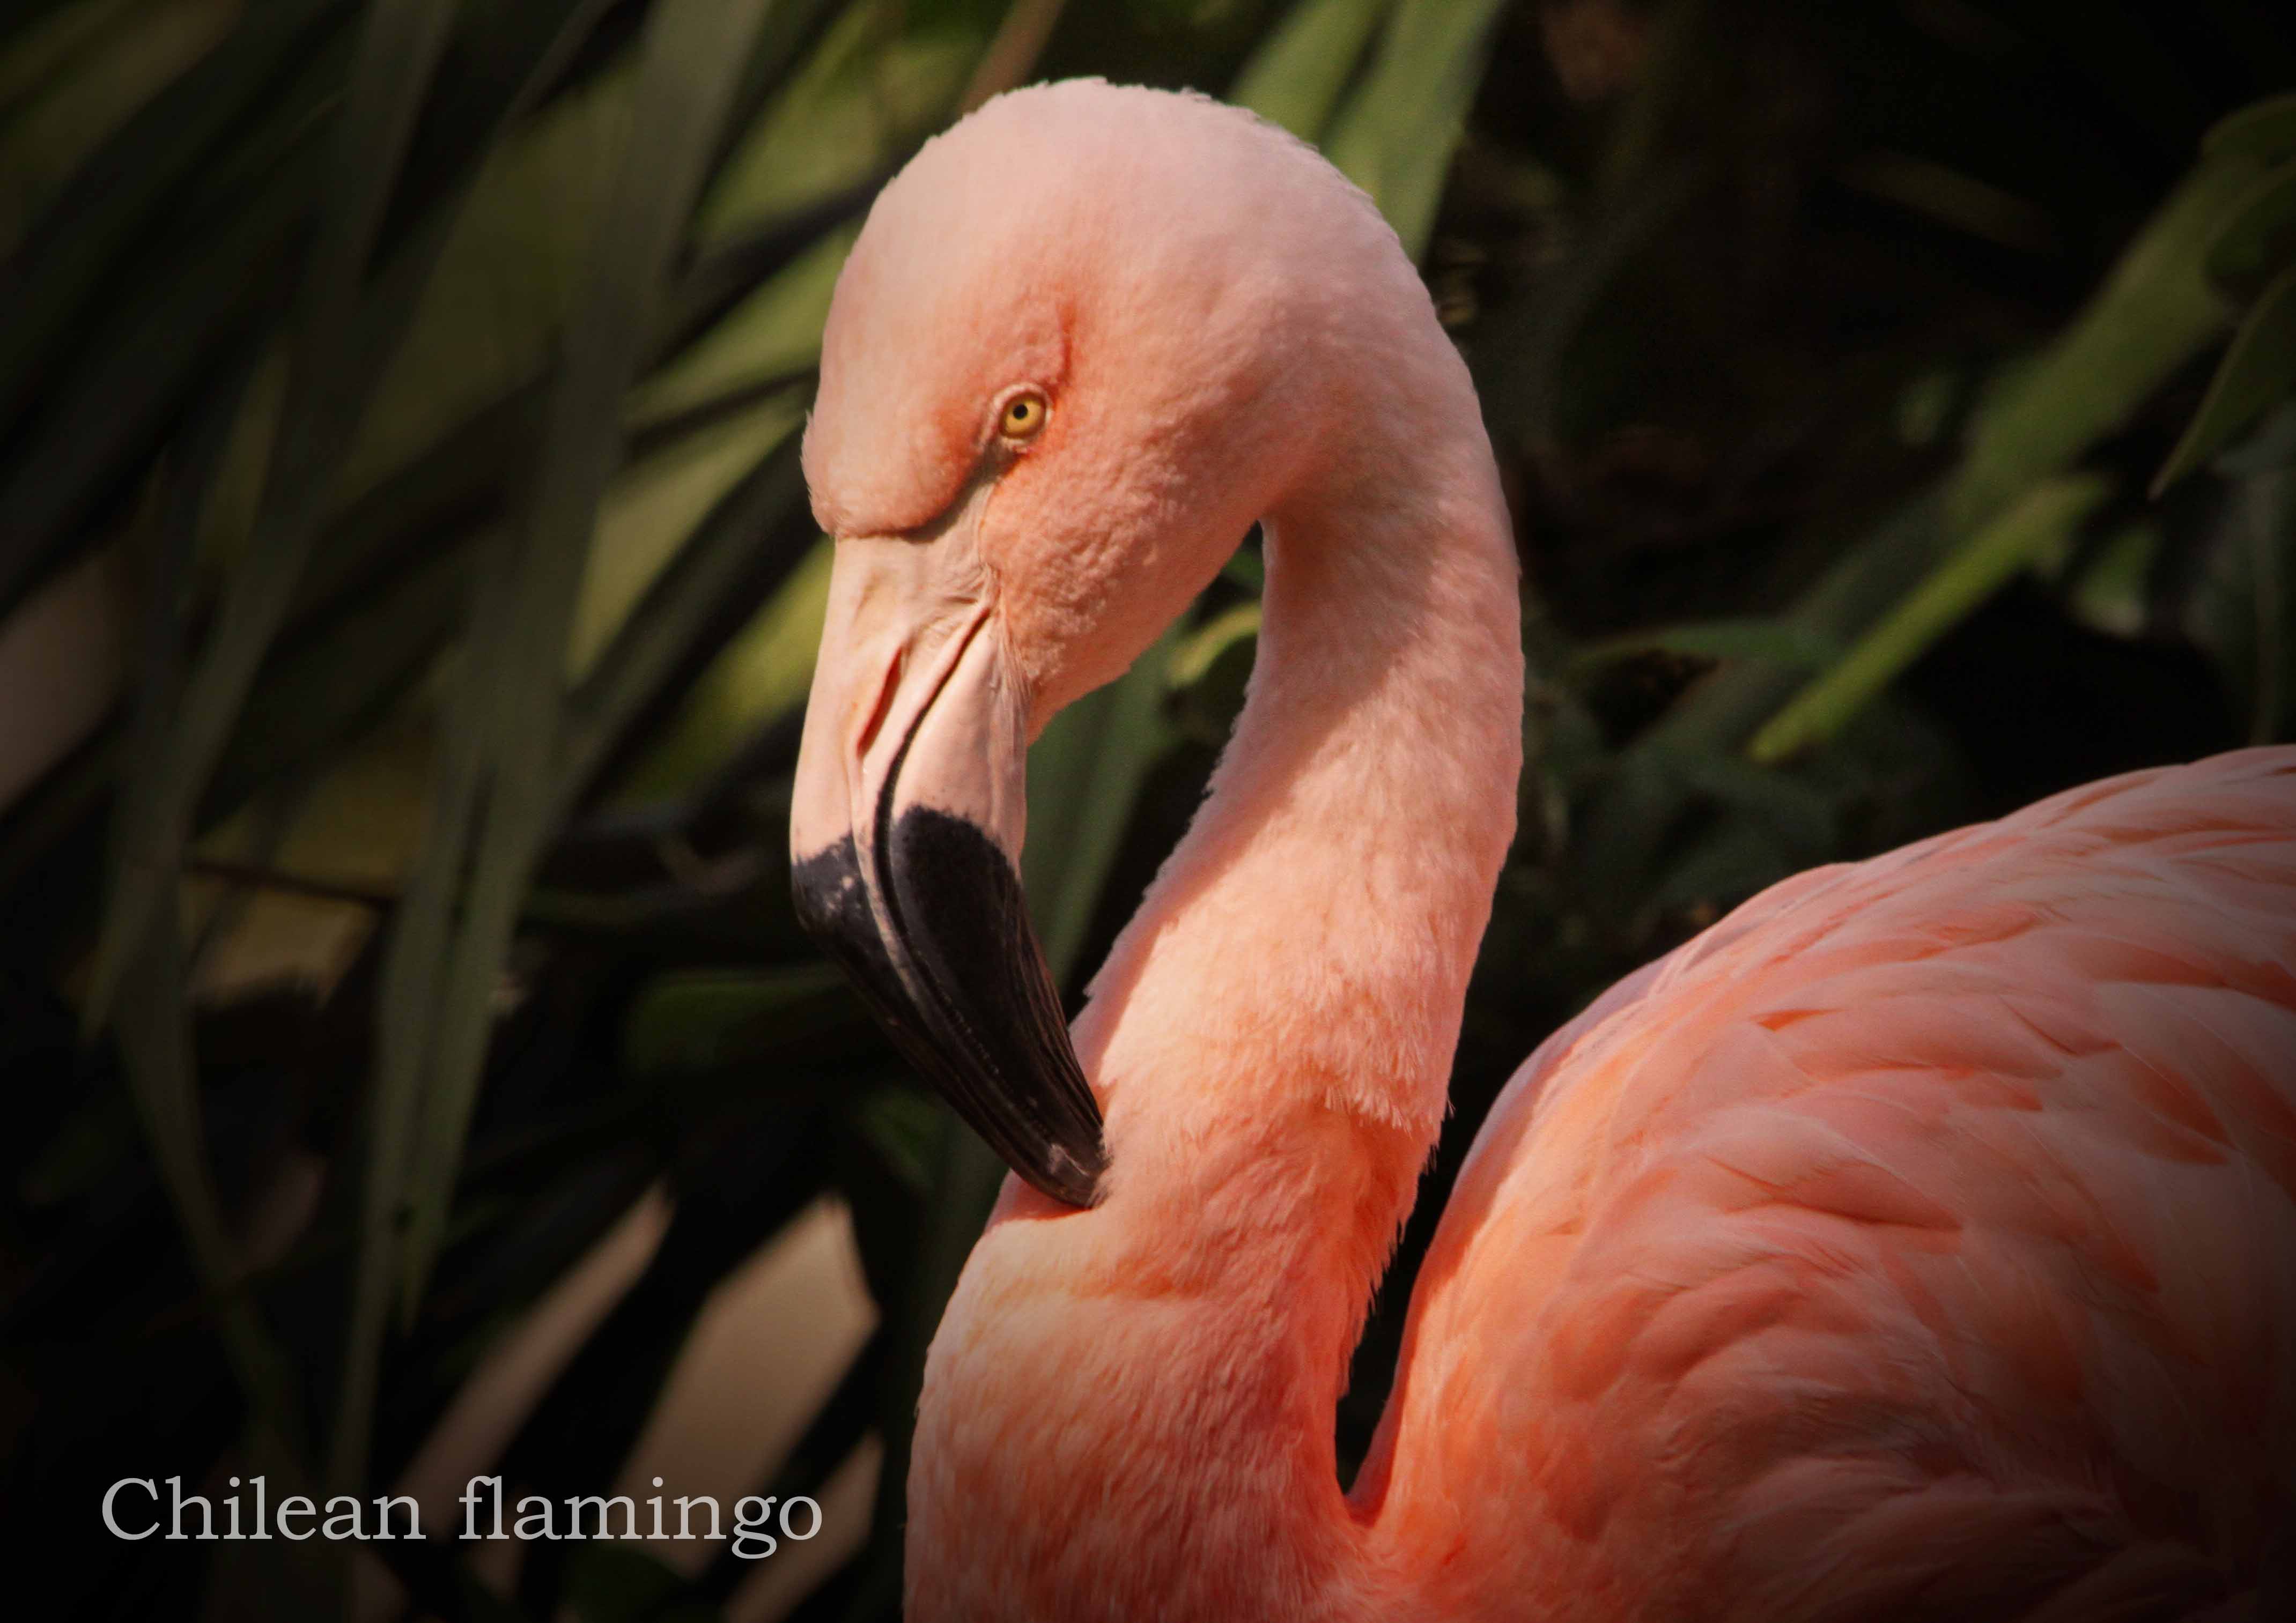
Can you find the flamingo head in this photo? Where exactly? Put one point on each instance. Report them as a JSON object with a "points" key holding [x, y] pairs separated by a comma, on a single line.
{"points": [[1067, 366]]}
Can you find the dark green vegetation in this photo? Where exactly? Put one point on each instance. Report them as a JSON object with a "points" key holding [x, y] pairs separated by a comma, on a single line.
{"points": [[1895, 398]]}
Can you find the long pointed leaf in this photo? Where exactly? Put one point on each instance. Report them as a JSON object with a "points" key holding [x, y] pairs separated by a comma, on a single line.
{"points": [[1084, 775], [79, 81], [1778, 642], [2043, 520], [435, 1004], [344, 332], [722, 565], [34, 48], [118, 399], [2258, 234], [2257, 371], [62, 261], [397, 50], [1295, 78], [1396, 136], [155, 1042], [2262, 129], [2155, 311]]}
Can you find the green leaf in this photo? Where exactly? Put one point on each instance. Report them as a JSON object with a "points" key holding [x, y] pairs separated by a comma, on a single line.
{"points": [[2256, 373], [2044, 519], [724, 564], [650, 512], [507, 277], [2261, 129], [1201, 648], [1723, 866], [2155, 311], [2112, 591], [693, 57], [769, 335], [1778, 642], [139, 368], [1641, 800], [72, 793], [2258, 233], [759, 676], [707, 1020], [1084, 772], [1396, 134], [902, 1126], [96, 1142], [397, 50], [1687, 36], [155, 1044], [1210, 671], [155, 1039], [866, 94], [320, 693], [1295, 77], [395, 523], [343, 330], [2242, 607], [1795, 818], [45, 287], [352, 645], [439, 968], [80, 77], [37, 50]]}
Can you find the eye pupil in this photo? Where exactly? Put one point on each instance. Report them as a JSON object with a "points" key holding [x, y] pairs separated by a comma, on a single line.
{"points": [[1024, 414]]}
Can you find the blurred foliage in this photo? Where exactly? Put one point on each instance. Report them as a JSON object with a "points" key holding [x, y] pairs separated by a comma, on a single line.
{"points": [[398, 405]]}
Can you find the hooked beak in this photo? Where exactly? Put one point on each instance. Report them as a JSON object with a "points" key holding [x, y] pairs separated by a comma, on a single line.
{"points": [[904, 834]]}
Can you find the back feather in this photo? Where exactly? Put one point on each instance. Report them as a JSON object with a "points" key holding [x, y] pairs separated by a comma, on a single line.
{"points": [[1920, 1241]]}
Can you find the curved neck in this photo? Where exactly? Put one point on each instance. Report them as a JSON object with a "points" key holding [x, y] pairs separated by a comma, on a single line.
{"points": [[1139, 1399]]}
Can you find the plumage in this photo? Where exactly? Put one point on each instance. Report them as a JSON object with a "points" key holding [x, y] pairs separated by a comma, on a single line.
{"points": [[1918, 1241], [1929, 1220]]}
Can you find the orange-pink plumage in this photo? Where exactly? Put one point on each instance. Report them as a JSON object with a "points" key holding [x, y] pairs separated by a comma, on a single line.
{"points": [[1949, 1193], [1918, 1241]]}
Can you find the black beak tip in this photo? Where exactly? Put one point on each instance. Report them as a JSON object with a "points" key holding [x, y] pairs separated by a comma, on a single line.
{"points": [[961, 986], [1064, 1177]]}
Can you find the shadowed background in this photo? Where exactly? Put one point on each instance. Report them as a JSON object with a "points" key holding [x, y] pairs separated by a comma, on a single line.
{"points": [[409, 1065]]}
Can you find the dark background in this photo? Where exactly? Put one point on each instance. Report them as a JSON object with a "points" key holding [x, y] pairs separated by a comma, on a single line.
{"points": [[406, 595]]}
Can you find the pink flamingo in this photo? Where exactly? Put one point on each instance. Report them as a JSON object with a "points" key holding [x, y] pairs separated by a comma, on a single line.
{"points": [[1919, 1242]]}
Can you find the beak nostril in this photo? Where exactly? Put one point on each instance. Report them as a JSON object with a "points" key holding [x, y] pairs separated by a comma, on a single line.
{"points": [[884, 703]]}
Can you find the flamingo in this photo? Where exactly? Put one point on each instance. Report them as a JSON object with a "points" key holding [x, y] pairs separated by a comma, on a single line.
{"points": [[1920, 1241]]}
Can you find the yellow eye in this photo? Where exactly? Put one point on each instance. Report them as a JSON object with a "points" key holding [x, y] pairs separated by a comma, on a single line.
{"points": [[1023, 416]]}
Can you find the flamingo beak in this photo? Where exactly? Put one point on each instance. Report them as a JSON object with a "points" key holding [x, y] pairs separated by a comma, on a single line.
{"points": [[904, 834]]}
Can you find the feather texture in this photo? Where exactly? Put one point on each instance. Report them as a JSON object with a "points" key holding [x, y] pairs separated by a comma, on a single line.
{"points": [[1920, 1241]]}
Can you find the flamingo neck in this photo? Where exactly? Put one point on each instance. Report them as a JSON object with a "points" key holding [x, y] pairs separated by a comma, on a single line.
{"points": [[1139, 1399]]}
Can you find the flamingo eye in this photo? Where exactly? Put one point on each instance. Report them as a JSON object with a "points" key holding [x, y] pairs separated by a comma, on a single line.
{"points": [[1023, 416]]}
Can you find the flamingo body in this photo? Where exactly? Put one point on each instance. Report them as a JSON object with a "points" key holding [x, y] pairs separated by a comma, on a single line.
{"points": [[1919, 1242]]}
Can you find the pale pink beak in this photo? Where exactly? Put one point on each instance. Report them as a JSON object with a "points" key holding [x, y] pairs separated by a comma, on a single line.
{"points": [[905, 837]]}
